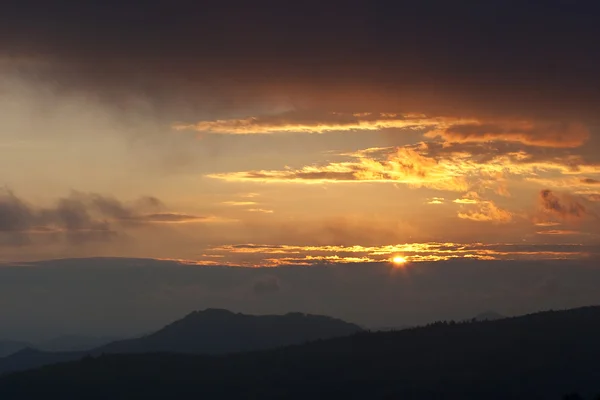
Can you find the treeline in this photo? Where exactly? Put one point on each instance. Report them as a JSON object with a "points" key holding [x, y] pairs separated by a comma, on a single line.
{"points": [[548, 355]]}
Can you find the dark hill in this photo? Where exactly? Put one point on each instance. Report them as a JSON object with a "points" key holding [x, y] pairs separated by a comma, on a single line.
{"points": [[8, 347], [210, 331], [538, 356], [215, 331]]}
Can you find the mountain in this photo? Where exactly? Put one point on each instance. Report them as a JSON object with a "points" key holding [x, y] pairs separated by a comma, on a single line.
{"points": [[8, 347], [211, 331], [215, 331], [539, 356], [30, 357]]}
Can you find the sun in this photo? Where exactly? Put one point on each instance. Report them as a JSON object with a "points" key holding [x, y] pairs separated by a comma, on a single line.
{"points": [[399, 260]]}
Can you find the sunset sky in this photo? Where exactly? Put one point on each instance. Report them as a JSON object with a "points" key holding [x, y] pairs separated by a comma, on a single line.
{"points": [[299, 133], [304, 134]]}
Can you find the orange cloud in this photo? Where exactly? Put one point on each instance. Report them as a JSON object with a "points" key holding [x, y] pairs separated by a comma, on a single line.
{"points": [[406, 166], [260, 210], [436, 200], [544, 134], [558, 232], [449, 129], [281, 254], [563, 206], [239, 203], [309, 121], [486, 211]]}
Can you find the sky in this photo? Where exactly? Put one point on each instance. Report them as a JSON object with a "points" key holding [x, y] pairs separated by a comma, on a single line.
{"points": [[300, 133]]}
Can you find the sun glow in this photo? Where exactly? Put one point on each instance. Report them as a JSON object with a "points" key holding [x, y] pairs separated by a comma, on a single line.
{"points": [[399, 260]]}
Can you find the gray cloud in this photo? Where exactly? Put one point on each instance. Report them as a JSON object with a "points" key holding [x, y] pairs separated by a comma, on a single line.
{"points": [[131, 296], [78, 218], [391, 53], [266, 285]]}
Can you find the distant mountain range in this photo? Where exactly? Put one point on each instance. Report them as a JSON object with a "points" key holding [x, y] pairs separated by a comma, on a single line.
{"points": [[8, 347], [539, 356], [212, 331], [60, 343]]}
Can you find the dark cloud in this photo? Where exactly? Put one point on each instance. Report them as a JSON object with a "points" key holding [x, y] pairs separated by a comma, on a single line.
{"points": [[163, 217], [590, 181], [530, 133], [133, 296], [79, 218], [564, 206], [496, 57], [266, 285]]}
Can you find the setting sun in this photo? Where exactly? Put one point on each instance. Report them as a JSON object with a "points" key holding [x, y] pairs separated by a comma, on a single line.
{"points": [[399, 260]]}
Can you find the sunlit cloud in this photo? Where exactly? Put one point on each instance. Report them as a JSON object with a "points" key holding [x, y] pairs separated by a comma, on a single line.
{"points": [[310, 122], [239, 203], [558, 232], [533, 133], [450, 130], [276, 255], [468, 198], [547, 223], [260, 210], [426, 165], [486, 211], [436, 200]]}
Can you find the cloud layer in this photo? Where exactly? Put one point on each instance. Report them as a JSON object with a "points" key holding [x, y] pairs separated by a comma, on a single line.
{"points": [[396, 55], [79, 218]]}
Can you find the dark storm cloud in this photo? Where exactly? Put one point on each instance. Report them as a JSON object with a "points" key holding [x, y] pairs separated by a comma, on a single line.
{"points": [[79, 217], [133, 296], [494, 57]]}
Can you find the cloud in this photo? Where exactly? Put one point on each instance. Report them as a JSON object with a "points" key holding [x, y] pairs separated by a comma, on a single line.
{"points": [[277, 255], [79, 218], [310, 122], [435, 200], [590, 181], [266, 55], [468, 198], [406, 166], [451, 130], [563, 206], [239, 203], [424, 292], [545, 134], [486, 211], [260, 210], [164, 218], [558, 232], [266, 285], [458, 168]]}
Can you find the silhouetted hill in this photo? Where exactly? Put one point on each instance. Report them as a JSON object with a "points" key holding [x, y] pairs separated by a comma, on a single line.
{"points": [[210, 331], [539, 356], [8, 347], [33, 358], [215, 331]]}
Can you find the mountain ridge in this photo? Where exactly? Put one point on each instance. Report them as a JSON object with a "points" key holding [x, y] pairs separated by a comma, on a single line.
{"points": [[210, 331], [542, 355]]}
